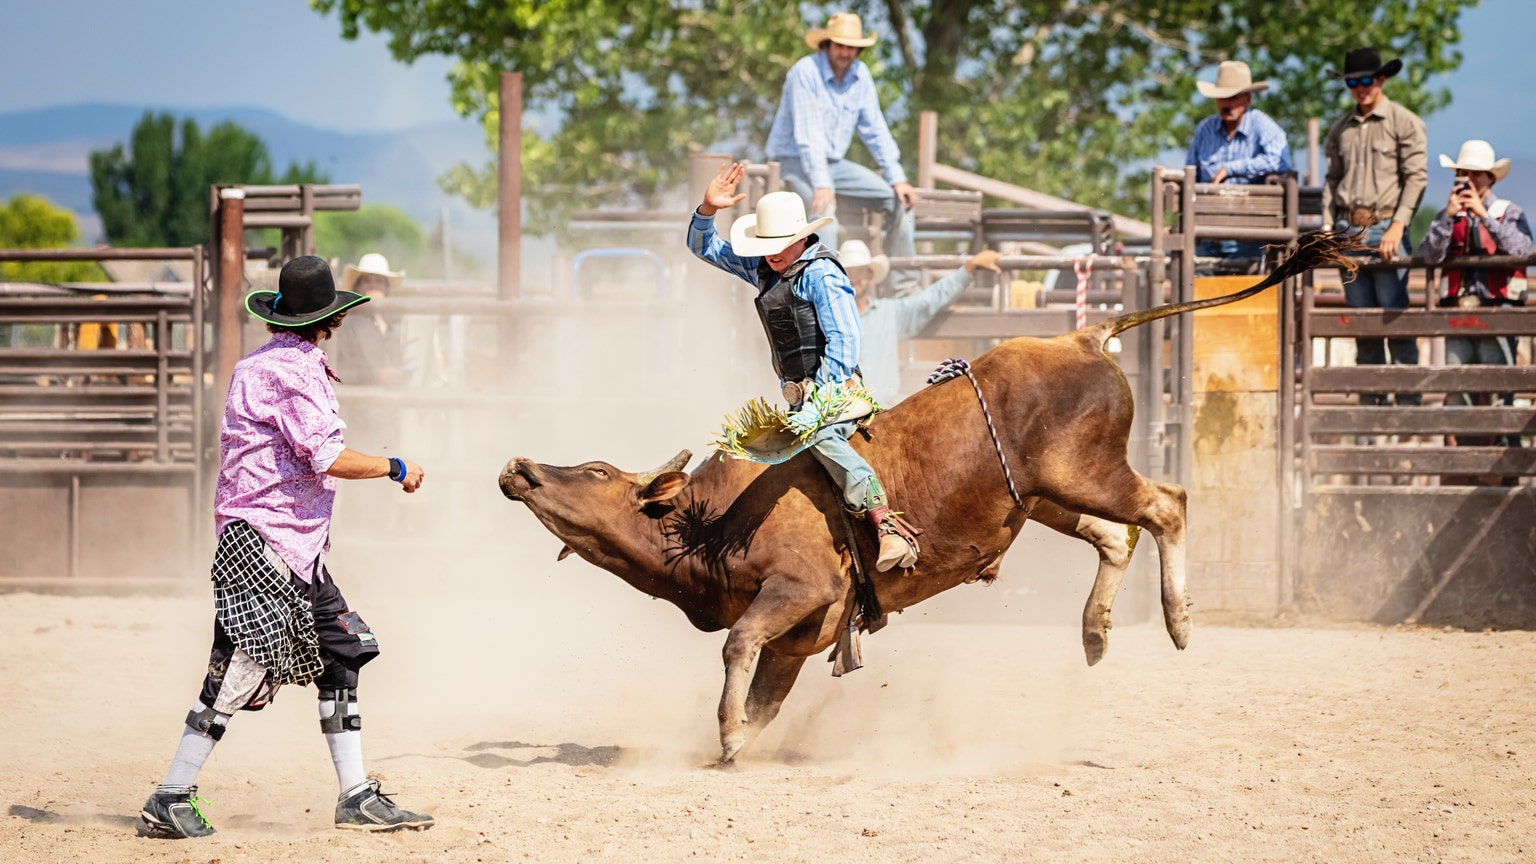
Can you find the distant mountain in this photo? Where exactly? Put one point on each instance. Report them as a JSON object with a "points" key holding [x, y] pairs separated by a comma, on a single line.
{"points": [[47, 152]]}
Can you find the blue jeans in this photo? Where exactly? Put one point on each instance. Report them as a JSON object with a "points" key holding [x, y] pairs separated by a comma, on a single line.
{"points": [[1381, 289], [829, 445], [1485, 350], [854, 181]]}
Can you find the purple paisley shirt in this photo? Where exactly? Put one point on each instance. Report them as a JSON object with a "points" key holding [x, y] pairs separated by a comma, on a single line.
{"points": [[282, 430]]}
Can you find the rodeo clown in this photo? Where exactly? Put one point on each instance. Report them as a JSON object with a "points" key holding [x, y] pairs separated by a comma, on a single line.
{"points": [[806, 304], [278, 615]]}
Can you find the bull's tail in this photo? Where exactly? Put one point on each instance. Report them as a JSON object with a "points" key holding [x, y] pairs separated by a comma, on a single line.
{"points": [[1317, 249]]}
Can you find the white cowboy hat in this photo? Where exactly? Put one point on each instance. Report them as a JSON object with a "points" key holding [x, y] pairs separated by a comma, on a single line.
{"points": [[844, 28], [1232, 78], [778, 222], [854, 253], [375, 264], [1476, 155]]}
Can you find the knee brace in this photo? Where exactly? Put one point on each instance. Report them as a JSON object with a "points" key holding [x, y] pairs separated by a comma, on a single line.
{"points": [[207, 721], [341, 719]]}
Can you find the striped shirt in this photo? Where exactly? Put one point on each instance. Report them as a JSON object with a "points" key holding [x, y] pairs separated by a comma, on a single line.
{"points": [[1257, 148], [282, 431], [822, 284], [818, 115]]}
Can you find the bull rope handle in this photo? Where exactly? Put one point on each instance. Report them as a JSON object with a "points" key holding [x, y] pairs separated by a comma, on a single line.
{"points": [[954, 368], [1083, 267]]}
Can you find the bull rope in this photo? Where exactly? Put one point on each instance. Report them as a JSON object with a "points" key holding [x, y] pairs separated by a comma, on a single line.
{"points": [[954, 368]]}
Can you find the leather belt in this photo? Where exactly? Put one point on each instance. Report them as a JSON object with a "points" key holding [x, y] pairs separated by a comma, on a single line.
{"points": [[1364, 216]]}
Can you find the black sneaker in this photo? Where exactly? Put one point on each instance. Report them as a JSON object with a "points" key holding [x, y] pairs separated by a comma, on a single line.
{"points": [[365, 808], [174, 813]]}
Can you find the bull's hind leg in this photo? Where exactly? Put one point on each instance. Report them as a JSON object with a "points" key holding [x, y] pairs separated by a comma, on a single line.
{"points": [[771, 683], [1122, 495], [779, 606], [1111, 541]]}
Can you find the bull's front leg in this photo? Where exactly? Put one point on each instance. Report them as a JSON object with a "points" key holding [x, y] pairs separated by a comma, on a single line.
{"points": [[1112, 542], [780, 605], [771, 683]]}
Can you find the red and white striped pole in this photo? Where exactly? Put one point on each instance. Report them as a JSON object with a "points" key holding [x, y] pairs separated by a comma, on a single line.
{"points": [[1083, 267]]}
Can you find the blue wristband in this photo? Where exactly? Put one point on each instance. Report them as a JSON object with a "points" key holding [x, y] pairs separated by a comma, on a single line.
{"points": [[397, 467]]}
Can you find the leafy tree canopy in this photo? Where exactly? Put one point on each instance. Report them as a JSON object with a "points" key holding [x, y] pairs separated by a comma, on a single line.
{"points": [[32, 222], [155, 193], [1070, 97], [373, 228]]}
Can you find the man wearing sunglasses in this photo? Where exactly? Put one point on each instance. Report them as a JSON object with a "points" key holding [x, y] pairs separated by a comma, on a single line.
{"points": [[1376, 178]]}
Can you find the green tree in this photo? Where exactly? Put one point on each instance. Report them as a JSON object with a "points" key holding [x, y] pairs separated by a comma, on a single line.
{"points": [[373, 228], [1071, 98], [32, 222], [155, 193]]}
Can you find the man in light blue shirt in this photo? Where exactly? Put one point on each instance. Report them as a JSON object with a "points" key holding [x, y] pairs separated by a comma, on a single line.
{"points": [[808, 312], [827, 97], [889, 321], [1238, 144]]}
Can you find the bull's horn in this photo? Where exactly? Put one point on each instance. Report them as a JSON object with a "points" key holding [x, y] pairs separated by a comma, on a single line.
{"points": [[676, 463]]}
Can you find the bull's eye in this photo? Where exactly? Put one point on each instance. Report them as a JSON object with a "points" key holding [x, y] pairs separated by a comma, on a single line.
{"points": [[599, 472]]}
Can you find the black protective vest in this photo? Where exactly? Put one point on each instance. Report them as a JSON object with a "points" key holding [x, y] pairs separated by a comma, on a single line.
{"points": [[794, 335]]}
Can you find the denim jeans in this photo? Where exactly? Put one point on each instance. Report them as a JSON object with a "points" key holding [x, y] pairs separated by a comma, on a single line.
{"points": [[829, 445], [1381, 289], [853, 181], [1486, 350]]}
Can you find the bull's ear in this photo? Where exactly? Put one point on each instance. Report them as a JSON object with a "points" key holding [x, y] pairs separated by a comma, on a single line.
{"points": [[663, 487]]}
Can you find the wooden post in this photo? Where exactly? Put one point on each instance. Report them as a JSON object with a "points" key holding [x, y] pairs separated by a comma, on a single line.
{"points": [[230, 286], [1314, 155], [927, 147], [509, 199]]}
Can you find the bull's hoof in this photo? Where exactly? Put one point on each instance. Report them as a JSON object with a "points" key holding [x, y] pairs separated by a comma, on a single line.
{"points": [[1095, 643], [1178, 630], [730, 745]]}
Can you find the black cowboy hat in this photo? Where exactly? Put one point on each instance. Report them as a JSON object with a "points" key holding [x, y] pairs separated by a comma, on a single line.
{"points": [[1365, 61], [306, 293]]}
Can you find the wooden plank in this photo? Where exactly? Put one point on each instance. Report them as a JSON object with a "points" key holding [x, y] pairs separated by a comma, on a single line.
{"points": [[1512, 321], [1040, 323], [1423, 460], [1028, 197], [1480, 378], [1420, 421]]}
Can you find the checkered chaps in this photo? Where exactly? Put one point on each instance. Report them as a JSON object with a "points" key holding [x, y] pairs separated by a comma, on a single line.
{"points": [[256, 604]]}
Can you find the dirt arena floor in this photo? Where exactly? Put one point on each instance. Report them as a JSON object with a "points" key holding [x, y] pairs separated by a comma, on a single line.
{"points": [[550, 713]]}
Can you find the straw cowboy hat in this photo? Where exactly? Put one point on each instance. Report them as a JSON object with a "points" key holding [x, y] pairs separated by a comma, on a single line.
{"points": [[1365, 61], [306, 293], [778, 222], [1476, 155], [844, 28], [1232, 79], [854, 253], [371, 263]]}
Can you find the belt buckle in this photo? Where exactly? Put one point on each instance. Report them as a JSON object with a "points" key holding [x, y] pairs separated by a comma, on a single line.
{"points": [[794, 392], [1468, 301], [1362, 217]]}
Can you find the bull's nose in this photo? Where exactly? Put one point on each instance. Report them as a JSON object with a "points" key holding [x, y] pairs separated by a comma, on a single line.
{"points": [[517, 477]]}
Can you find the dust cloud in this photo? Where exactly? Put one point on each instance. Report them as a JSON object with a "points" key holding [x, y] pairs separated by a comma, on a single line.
{"points": [[482, 629]]}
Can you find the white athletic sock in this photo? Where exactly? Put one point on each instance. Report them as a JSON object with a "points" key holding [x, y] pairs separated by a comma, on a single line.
{"points": [[346, 749], [191, 752]]}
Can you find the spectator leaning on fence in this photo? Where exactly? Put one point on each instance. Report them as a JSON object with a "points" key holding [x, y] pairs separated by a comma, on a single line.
{"points": [[1238, 144], [1477, 222], [827, 97], [1376, 178], [886, 322]]}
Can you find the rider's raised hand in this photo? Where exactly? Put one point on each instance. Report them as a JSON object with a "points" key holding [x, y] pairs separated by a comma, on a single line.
{"points": [[721, 192]]}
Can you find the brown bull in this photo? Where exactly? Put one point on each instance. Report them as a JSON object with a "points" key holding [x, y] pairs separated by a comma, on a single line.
{"points": [[763, 550]]}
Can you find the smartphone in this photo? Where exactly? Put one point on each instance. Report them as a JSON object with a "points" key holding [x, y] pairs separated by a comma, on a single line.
{"points": [[1462, 184]]}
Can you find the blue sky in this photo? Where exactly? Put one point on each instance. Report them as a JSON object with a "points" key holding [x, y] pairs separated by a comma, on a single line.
{"points": [[279, 54]]}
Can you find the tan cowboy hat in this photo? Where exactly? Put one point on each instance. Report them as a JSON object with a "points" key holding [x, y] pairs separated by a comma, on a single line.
{"points": [[1232, 79], [372, 263], [1476, 155], [844, 28], [778, 222], [854, 253]]}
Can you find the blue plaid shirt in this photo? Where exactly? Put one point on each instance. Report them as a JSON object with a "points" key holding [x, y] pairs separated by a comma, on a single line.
{"points": [[821, 284], [1257, 148], [819, 114]]}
